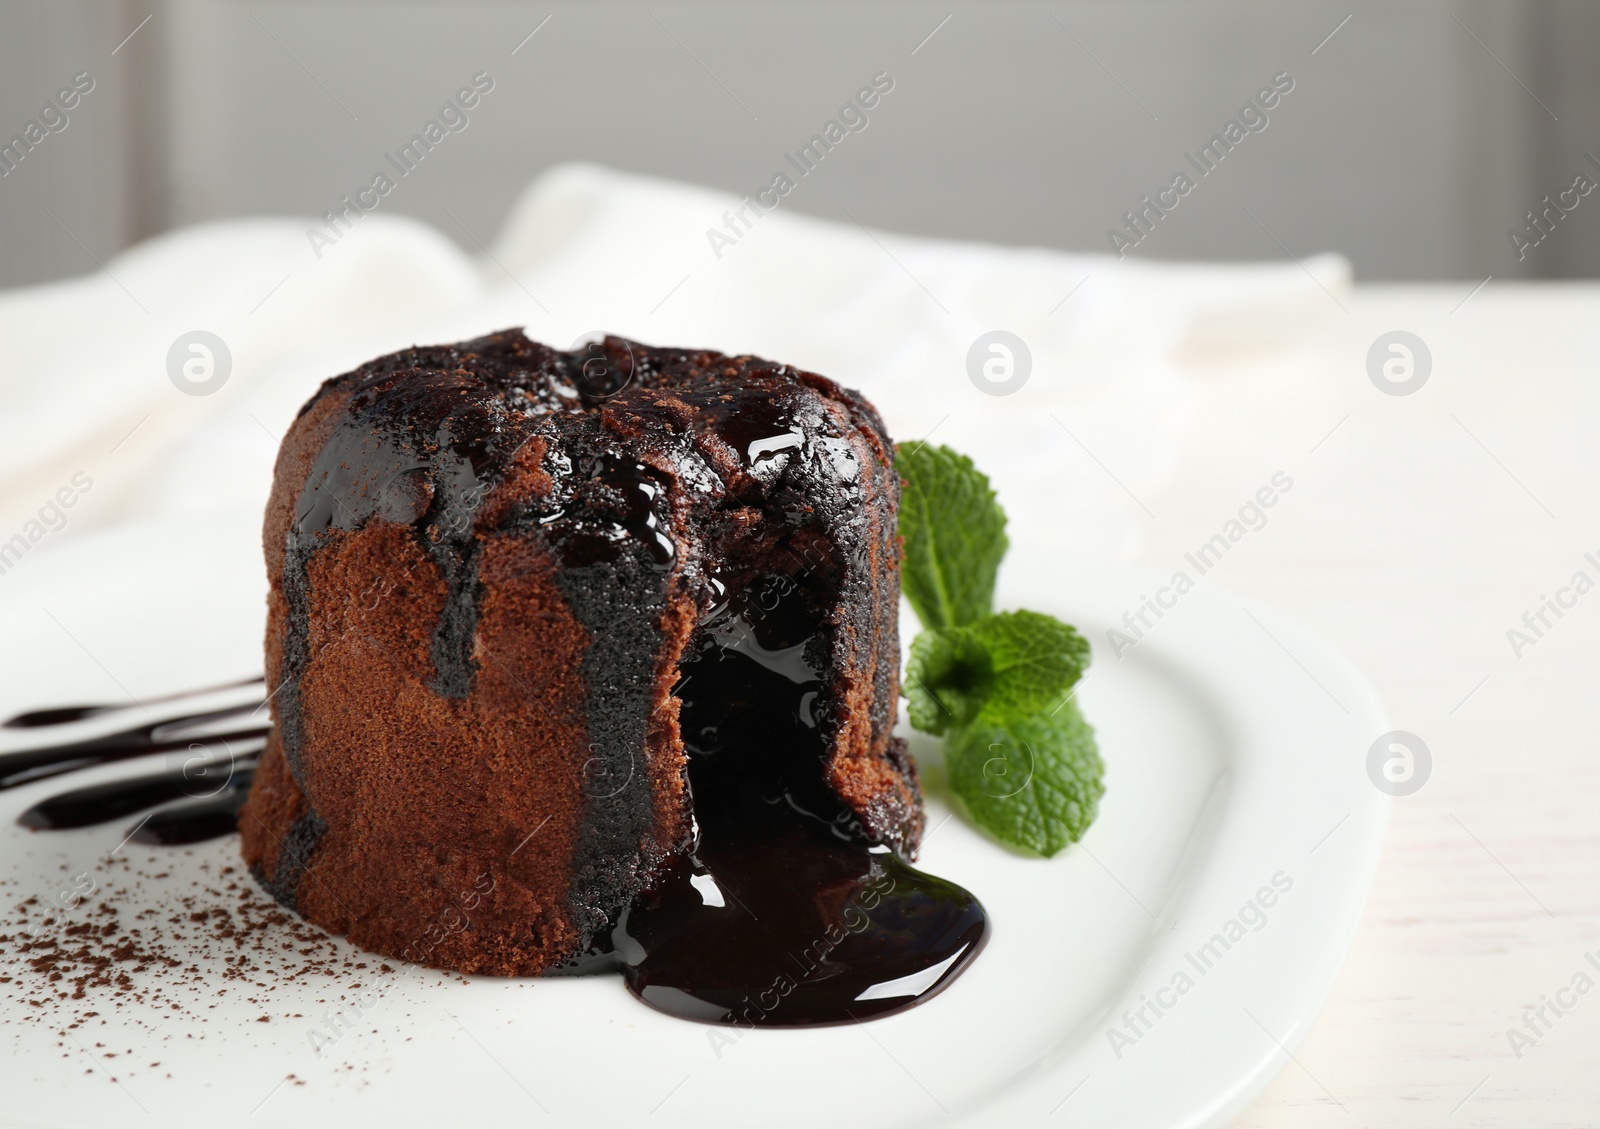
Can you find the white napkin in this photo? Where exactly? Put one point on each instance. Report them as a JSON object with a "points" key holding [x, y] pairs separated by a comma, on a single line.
{"points": [[84, 386]]}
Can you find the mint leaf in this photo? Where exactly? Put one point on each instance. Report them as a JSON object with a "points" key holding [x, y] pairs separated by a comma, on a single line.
{"points": [[955, 535], [1033, 782], [1009, 665], [1018, 753]]}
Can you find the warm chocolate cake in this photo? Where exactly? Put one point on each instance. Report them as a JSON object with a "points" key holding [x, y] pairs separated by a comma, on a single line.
{"points": [[559, 642]]}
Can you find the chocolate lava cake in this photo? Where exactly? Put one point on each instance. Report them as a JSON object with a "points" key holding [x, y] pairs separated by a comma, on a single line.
{"points": [[533, 613]]}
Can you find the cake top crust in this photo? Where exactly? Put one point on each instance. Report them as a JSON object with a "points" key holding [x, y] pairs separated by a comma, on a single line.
{"points": [[595, 445]]}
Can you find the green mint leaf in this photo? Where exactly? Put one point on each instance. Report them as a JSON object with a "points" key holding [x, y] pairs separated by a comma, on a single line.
{"points": [[1008, 665], [1033, 782], [1018, 754], [955, 535]]}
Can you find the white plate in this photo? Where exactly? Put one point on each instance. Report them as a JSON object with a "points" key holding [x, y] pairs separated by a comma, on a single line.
{"points": [[1235, 749]]}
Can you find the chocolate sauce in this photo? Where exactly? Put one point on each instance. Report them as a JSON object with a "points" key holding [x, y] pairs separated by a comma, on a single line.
{"points": [[62, 715], [164, 736], [211, 779], [193, 821], [101, 803], [786, 913], [797, 930]]}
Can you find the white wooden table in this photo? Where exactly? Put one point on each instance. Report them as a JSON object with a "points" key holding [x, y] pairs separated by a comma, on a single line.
{"points": [[1419, 530]]}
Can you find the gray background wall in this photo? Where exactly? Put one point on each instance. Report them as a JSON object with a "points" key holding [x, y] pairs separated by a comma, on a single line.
{"points": [[1413, 140]]}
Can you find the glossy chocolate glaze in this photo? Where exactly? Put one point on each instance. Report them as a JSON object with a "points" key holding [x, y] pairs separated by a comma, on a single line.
{"points": [[101, 803]]}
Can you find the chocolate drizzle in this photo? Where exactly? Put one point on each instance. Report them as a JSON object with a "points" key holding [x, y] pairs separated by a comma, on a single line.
{"points": [[197, 820], [63, 715], [206, 778], [166, 736], [100, 803]]}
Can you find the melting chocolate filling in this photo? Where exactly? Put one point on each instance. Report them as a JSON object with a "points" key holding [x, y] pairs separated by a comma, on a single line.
{"points": [[785, 913]]}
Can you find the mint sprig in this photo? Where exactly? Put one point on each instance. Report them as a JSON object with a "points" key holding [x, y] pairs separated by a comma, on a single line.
{"points": [[996, 686]]}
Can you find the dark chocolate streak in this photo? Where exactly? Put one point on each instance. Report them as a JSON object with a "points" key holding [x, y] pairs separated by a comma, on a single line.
{"points": [[61, 715], [614, 558], [165, 736], [100, 803], [294, 855], [194, 821], [198, 794]]}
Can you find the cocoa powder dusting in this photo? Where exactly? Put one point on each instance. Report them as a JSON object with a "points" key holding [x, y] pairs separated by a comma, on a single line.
{"points": [[128, 941]]}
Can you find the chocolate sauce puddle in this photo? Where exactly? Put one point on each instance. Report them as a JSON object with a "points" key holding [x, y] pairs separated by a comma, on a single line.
{"points": [[796, 930], [786, 914]]}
